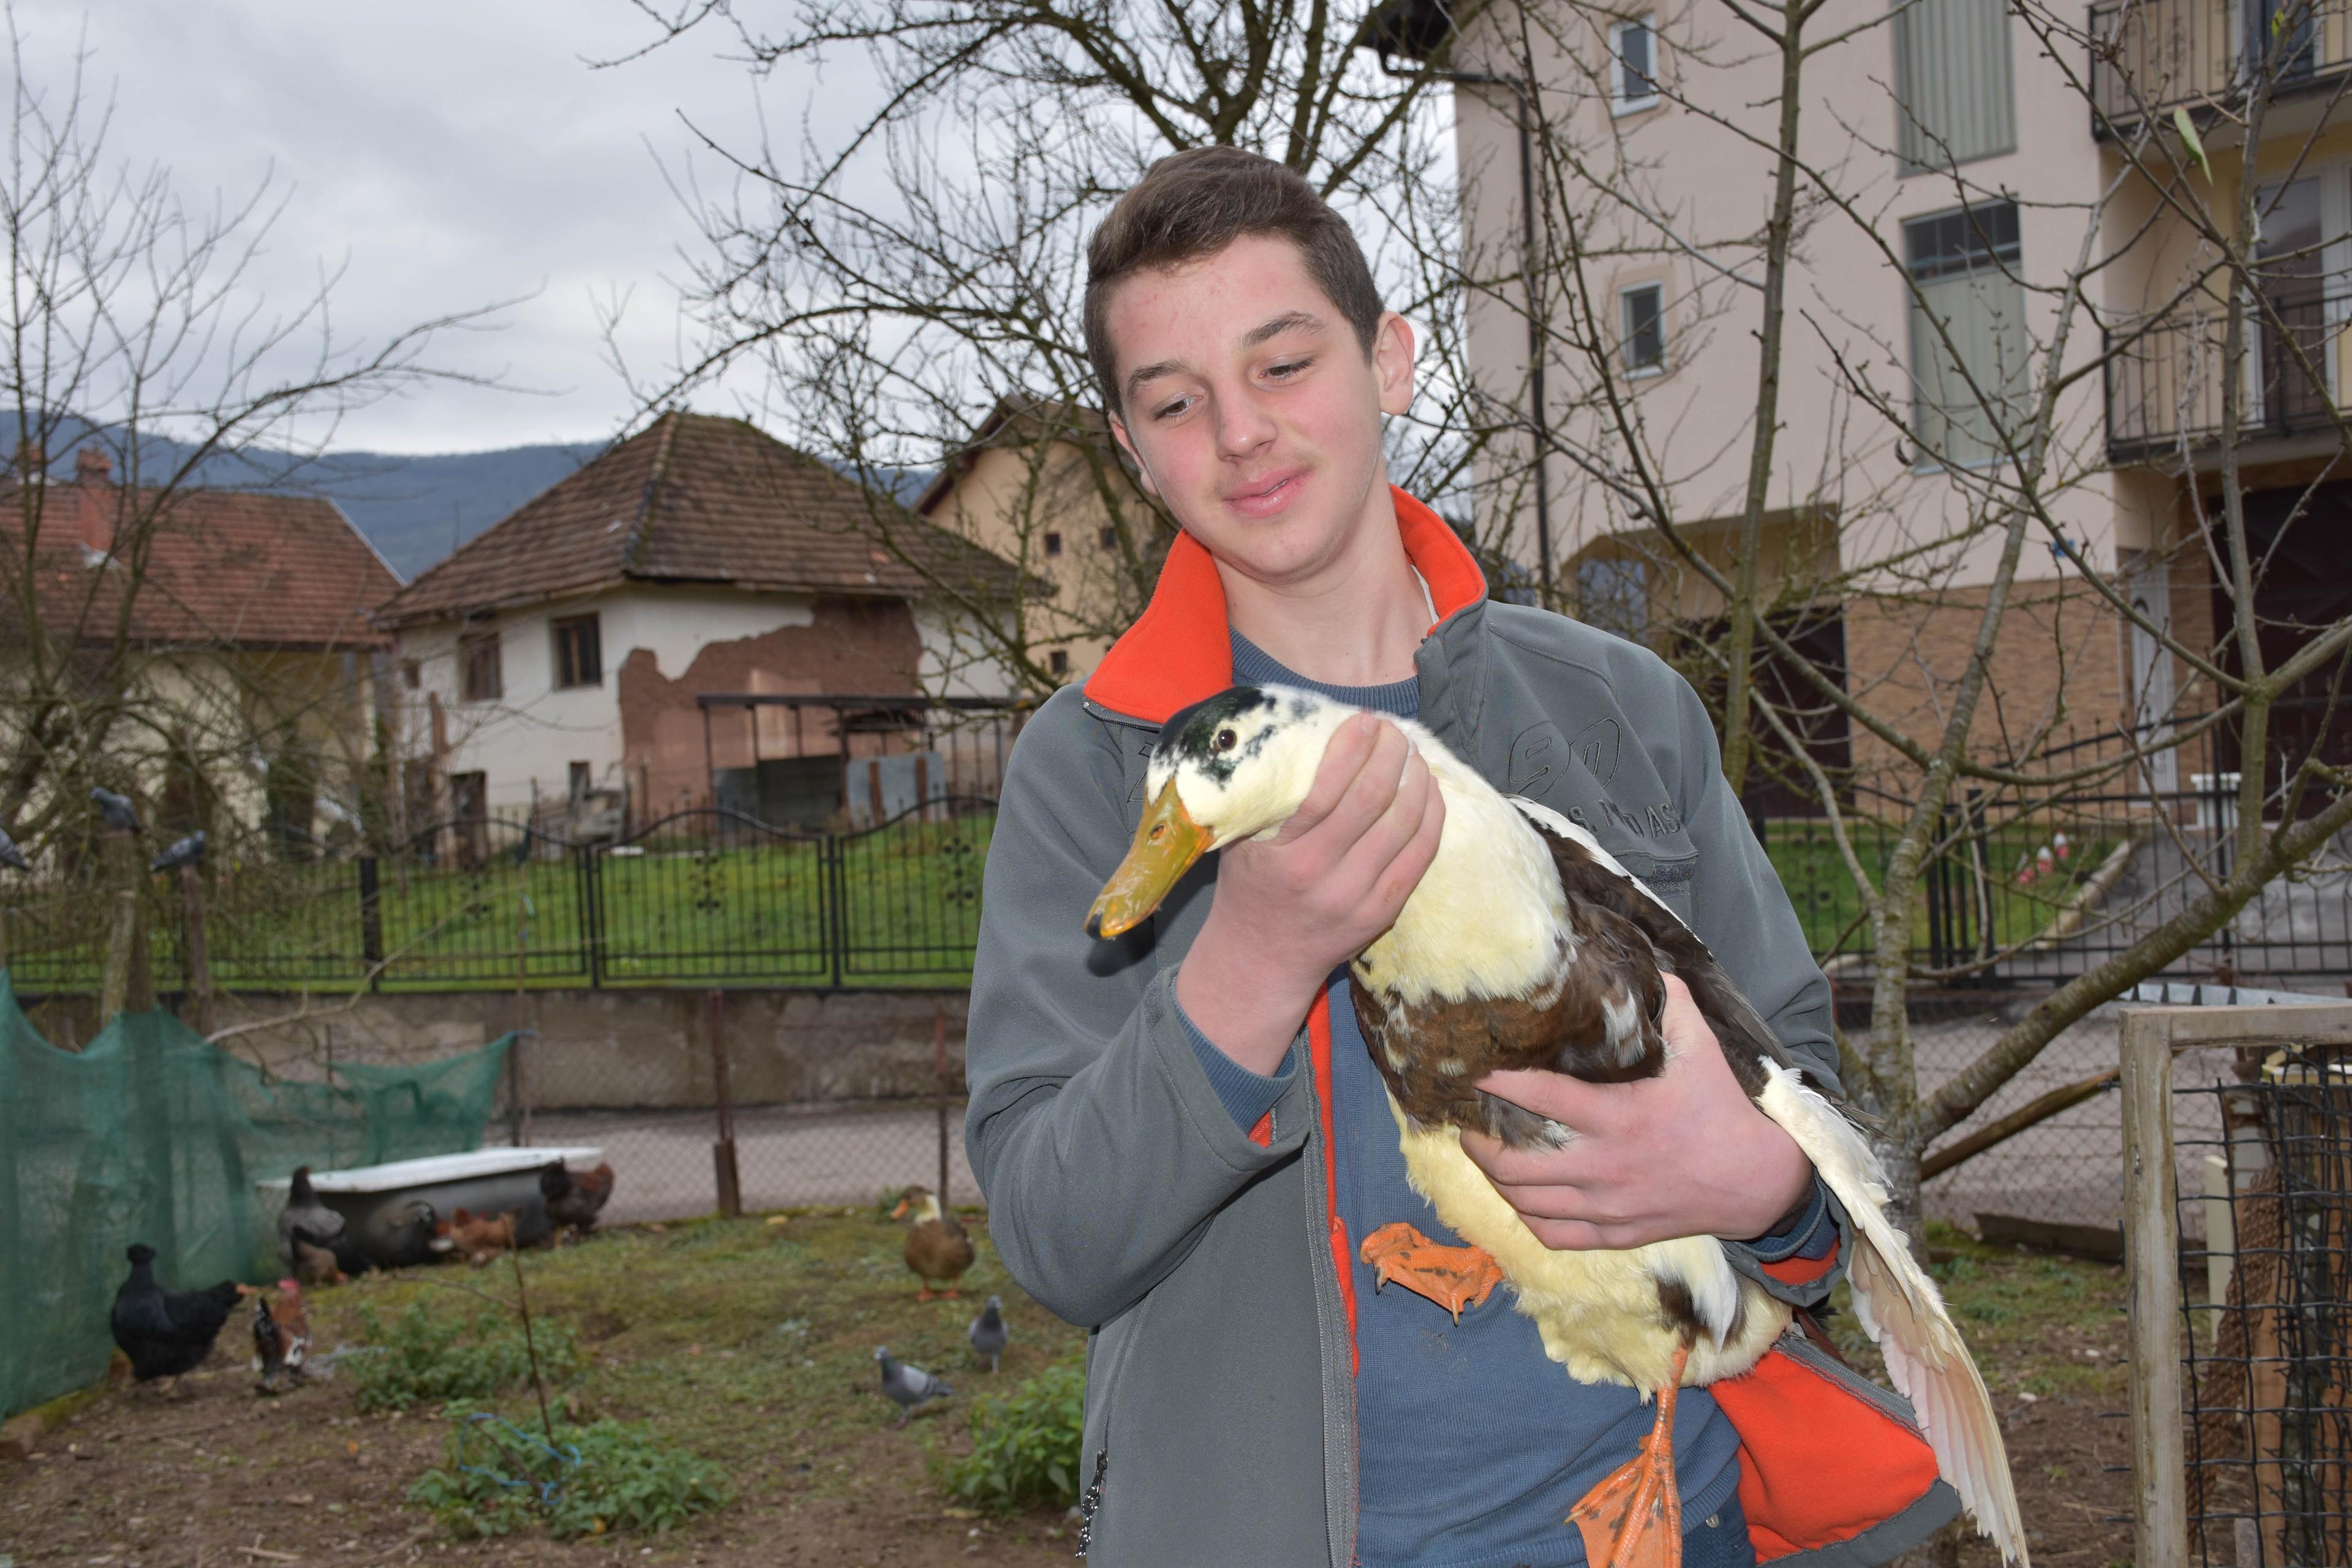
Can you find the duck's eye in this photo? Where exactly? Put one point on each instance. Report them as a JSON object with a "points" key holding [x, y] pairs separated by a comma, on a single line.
{"points": [[1226, 740]]}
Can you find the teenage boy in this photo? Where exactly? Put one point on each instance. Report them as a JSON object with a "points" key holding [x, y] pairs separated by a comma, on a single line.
{"points": [[1179, 1133]]}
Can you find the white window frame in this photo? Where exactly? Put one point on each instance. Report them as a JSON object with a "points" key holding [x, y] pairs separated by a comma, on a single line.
{"points": [[1626, 329], [1620, 101]]}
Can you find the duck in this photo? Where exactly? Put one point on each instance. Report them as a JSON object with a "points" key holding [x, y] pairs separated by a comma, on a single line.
{"points": [[1526, 945], [938, 1249]]}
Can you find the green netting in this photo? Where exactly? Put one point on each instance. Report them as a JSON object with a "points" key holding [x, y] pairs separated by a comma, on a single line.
{"points": [[150, 1134]]}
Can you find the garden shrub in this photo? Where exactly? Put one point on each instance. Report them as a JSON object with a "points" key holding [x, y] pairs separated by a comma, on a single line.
{"points": [[603, 1479], [424, 1358], [1025, 1446]]}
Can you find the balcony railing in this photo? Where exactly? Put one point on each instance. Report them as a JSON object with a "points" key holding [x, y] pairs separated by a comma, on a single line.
{"points": [[2151, 57], [2164, 378]]}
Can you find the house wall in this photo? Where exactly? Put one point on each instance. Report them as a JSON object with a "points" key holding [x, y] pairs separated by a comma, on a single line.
{"points": [[1007, 499], [1835, 457], [532, 734]]}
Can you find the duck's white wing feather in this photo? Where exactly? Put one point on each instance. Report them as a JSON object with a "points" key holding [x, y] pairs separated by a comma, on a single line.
{"points": [[1900, 1307]]}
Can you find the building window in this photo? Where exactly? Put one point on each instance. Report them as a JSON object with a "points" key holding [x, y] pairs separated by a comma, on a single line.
{"points": [[479, 675], [1633, 64], [1053, 544], [1109, 538], [582, 781], [411, 676], [579, 652], [1954, 100], [1641, 318], [1614, 595], [1970, 379], [1058, 662]]}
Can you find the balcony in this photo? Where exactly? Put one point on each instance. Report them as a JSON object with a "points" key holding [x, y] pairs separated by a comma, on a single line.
{"points": [[2164, 378], [2151, 57]]}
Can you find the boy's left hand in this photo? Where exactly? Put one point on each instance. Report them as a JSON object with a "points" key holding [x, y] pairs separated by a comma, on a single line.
{"points": [[1683, 1153]]}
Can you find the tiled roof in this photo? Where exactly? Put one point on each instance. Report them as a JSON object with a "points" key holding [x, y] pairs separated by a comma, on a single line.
{"points": [[695, 498], [221, 567]]}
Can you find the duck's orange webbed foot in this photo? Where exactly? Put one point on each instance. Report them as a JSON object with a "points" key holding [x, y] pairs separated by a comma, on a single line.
{"points": [[1633, 1519], [1452, 1276]]}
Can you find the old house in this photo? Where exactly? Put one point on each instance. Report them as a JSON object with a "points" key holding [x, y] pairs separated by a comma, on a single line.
{"points": [[702, 614], [1041, 484], [223, 636]]}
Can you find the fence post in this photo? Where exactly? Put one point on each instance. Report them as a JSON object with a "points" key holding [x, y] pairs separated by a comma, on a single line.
{"points": [[195, 957], [371, 923], [722, 1153], [591, 914], [939, 1065], [2152, 1254], [836, 906]]}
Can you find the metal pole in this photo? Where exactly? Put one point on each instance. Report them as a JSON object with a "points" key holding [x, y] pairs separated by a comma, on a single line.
{"points": [[722, 1153], [198, 958], [939, 1063], [2151, 1254]]}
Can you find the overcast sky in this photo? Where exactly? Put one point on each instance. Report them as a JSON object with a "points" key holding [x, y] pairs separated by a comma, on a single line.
{"points": [[455, 153]]}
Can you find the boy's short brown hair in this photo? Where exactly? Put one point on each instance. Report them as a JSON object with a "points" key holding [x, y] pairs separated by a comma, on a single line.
{"points": [[1194, 204]]}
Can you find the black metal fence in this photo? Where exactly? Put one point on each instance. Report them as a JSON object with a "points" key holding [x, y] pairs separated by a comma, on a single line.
{"points": [[2025, 888], [700, 897], [2164, 377], [2269, 1337]]}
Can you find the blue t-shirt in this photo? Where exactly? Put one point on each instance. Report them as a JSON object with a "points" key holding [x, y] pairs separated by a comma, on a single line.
{"points": [[1472, 1444]]}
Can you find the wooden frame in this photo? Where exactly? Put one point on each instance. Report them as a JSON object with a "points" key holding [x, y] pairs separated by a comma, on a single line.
{"points": [[2151, 1035]]}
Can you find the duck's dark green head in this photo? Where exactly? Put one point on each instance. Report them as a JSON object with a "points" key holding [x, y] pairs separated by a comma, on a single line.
{"points": [[1229, 767]]}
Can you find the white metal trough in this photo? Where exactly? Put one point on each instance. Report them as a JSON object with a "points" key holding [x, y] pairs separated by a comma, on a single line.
{"points": [[380, 1203]]}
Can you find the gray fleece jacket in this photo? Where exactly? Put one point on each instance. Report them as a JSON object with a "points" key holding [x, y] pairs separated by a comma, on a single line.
{"points": [[1219, 1412]]}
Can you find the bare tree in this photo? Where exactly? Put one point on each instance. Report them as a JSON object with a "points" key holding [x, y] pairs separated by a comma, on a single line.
{"points": [[137, 345], [882, 289], [1931, 488]]}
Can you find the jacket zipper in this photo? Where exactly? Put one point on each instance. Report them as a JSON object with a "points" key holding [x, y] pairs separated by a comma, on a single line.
{"points": [[1091, 1502]]}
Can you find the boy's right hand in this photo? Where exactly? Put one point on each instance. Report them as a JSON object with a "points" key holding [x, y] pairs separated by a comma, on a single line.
{"points": [[1290, 910]]}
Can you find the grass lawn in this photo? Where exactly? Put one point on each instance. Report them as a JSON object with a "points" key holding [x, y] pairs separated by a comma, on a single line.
{"points": [[1807, 861], [751, 1344]]}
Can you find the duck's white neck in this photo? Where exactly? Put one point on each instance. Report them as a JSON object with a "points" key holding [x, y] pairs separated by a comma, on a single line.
{"points": [[1488, 918]]}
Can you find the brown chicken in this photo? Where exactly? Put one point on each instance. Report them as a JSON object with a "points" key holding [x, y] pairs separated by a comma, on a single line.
{"points": [[478, 1238], [575, 1199], [316, 1264], [281, 1338], [937, 1250]]}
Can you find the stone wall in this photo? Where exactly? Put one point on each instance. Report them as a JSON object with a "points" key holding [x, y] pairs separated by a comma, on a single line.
{"points": [[617, 1049]]}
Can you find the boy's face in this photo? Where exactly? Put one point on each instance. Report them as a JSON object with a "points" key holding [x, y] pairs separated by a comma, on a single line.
{"points": [[1250, 409]]}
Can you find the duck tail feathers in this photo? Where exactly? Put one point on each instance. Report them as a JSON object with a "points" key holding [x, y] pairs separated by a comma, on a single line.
{"points": [[1899, 1307]]}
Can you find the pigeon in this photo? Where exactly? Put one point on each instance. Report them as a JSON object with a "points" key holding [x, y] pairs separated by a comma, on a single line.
{"points": [[10, 856], [908, 1386], [120, 815], [989, 1335], [186, 851]]}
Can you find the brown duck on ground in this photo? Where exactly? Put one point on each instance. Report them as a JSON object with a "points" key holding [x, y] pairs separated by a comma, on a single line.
{"points": [[937, 1250]]}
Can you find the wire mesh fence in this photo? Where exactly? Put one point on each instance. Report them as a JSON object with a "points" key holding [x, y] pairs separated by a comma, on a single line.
{"points": [[825, 1101], [2268, 1341]]}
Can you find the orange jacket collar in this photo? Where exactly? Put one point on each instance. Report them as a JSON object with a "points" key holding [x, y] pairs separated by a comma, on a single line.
{"points": [[1180, 650]]}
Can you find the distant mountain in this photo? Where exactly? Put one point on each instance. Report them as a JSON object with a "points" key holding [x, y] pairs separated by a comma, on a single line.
{"points": [[415, 510]]}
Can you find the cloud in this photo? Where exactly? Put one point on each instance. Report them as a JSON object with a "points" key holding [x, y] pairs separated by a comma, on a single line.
{"points": [[446, 154]]}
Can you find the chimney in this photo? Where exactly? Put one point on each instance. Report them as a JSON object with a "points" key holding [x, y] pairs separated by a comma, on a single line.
{"points": [[94, 501]]}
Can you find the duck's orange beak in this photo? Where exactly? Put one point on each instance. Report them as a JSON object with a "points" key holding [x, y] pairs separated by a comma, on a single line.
{"points": [[1167, 842]]}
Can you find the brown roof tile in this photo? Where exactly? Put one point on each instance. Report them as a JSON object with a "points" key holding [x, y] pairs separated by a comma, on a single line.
{"points": [[694, 498], [220, 567]]}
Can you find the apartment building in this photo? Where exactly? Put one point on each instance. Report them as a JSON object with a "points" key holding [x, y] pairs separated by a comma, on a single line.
{"points": [[1992, 202]]}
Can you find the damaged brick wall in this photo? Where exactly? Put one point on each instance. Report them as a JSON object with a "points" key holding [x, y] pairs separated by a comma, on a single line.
{"points": [[852, 646]]}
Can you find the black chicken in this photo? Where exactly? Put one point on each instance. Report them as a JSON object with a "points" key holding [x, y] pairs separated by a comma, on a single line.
{"points": [[167, 1333]]}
